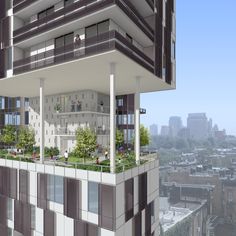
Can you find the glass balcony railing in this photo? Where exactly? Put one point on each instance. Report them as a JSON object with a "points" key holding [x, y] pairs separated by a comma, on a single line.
{"points": [[110, 40], [65, 131], [77, 106]]}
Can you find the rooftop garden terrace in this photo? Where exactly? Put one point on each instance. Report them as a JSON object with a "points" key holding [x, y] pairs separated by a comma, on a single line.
{"points": [[124, 161]]}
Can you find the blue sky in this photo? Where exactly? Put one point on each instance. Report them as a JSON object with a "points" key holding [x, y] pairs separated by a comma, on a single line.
{"points": [[206, 66]]}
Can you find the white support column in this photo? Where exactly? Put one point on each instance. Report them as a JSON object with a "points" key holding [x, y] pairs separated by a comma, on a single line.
{"points": [[112, 119], [137, 120], [42, 120]]}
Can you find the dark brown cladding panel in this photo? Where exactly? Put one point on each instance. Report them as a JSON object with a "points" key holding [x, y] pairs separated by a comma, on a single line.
{"points": [[168, 31], [22, 218], [2, 9], [107, 207], [137, 225], [13, 184], [2, 63], [148, 223], [3, 211], [49, 222], [158, 38], [4, 181], [82, 228], [3, 230], [5, 36], [129, 199], [8, 182], [142, 191], [24, 185], [72, 198], [42, 191]]}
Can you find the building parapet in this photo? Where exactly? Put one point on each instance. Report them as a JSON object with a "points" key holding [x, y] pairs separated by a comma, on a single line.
{"points": [[147, 162]]}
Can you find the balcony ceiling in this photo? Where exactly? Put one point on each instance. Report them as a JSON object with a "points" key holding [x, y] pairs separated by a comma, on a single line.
{"points": [[89, 73], [142, 7], [35, 8], [113, 12]]}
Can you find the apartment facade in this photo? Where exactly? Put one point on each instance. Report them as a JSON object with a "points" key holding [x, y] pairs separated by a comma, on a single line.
{"points": [[75, 60], [14, 111]]}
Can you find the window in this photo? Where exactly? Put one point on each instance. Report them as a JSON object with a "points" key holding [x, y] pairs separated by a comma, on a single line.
{"points": [[63, 45], [130, 119], [32, 217], [97, 29], [120, 102], [46, 12], [10, 103], [93, 197], [12, 118], [9, 209], [26, 117], [103, 27], [2, 103], [55, 189], [152, 212], [8, 58], [91, 31], [130, 135], [17, 102], [9, 232], [26, 103]]}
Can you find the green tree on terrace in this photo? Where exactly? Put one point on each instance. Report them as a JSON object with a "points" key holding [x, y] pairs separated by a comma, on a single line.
{"points": [[8, 136], [144, 136], [26, 139], [86, 143], [119, 138]]}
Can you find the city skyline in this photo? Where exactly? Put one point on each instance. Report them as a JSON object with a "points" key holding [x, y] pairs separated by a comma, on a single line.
{"points": [[206, 61], [184, 123]]}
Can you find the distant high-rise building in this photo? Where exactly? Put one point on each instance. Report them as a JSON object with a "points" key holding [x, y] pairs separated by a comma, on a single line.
{"points": [[215, 128], [153, 130], [175, 125], [210, 134], [165, 130], [197, 124], [184, 133]]}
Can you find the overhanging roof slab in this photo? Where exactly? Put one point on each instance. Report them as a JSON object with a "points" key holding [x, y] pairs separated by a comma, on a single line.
{"points": [[88, 73]]}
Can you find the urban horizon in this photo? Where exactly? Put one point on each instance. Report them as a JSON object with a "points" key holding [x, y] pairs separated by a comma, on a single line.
{"points": [[184, 122], [205, 52]]}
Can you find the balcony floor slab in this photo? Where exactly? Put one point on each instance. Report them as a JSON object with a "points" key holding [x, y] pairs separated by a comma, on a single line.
{"points": [[82, 74]]}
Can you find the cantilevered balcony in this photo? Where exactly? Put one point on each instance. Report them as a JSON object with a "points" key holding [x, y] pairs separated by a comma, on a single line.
{"points": [[108, 41], [75, 12]]}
